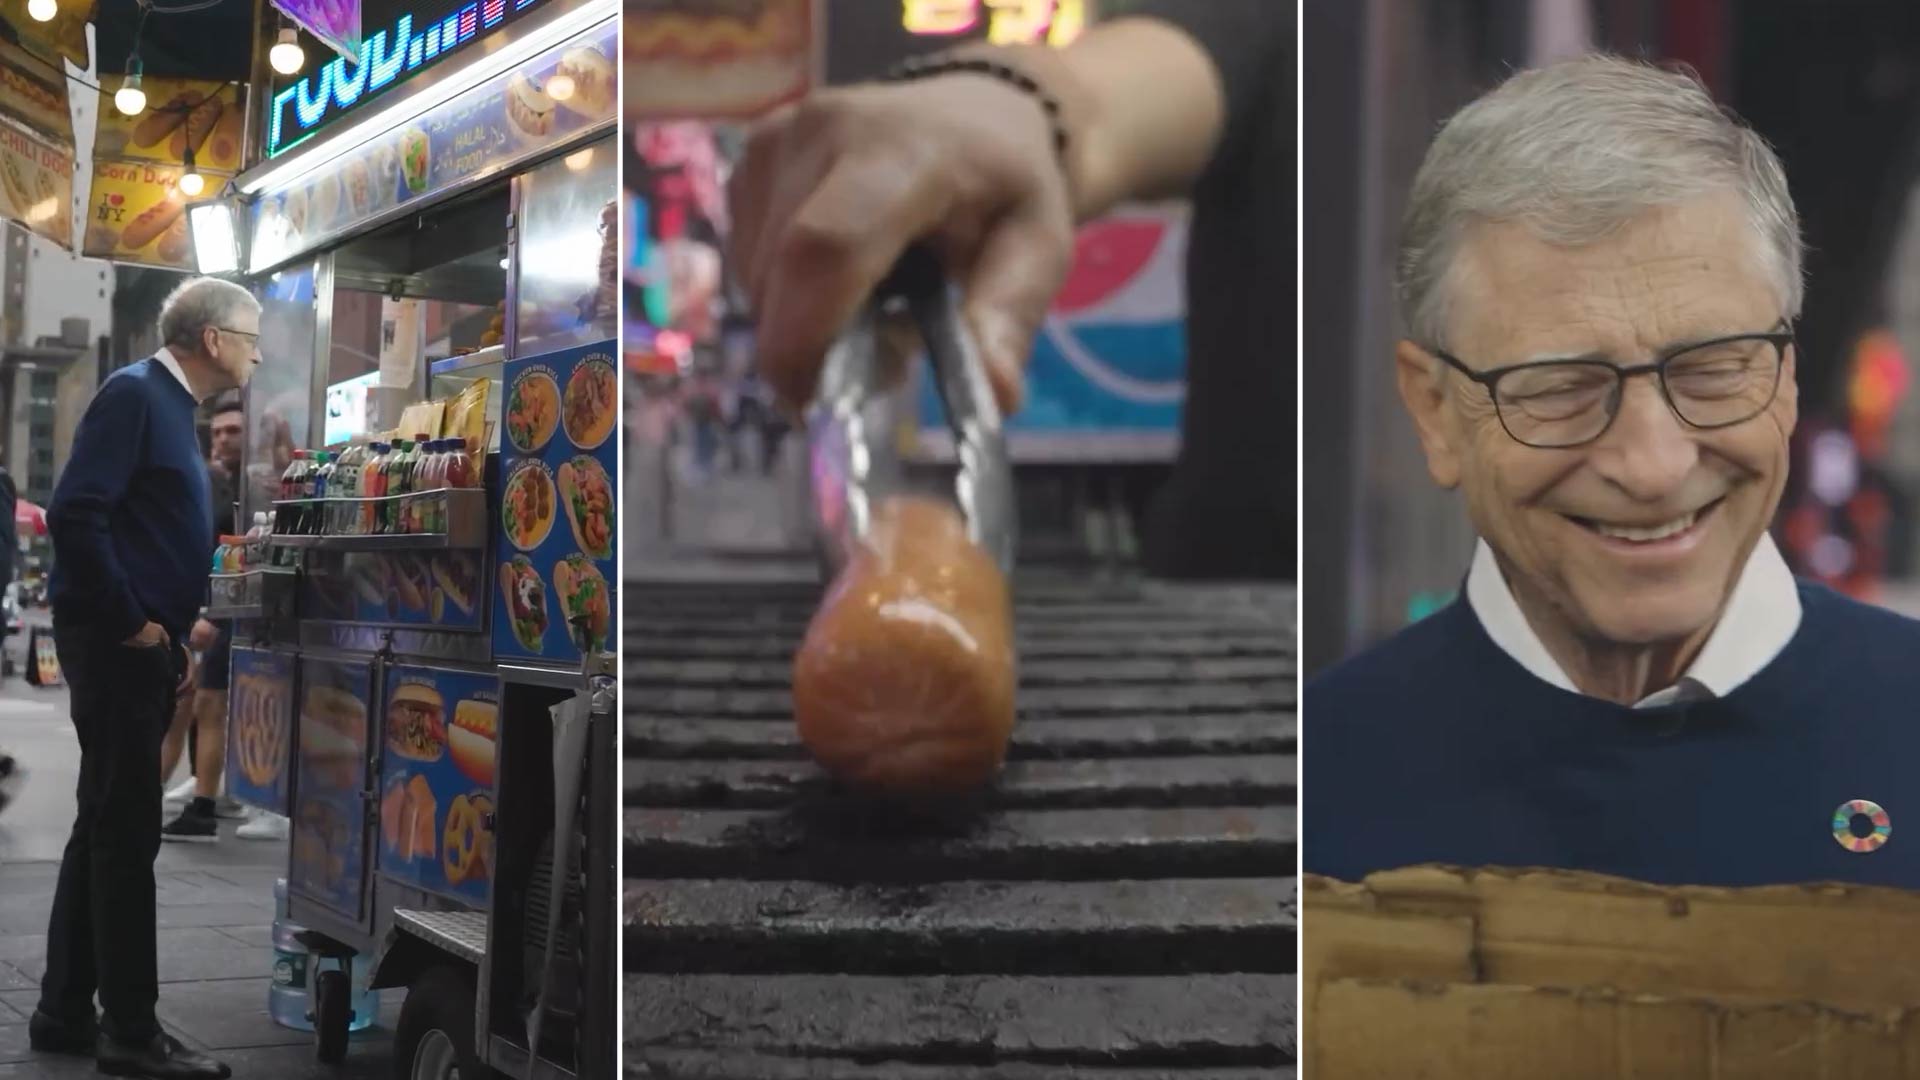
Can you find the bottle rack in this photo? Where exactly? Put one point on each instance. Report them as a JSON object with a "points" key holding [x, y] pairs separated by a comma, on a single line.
{"points": [[464, 509], [263, 593]]}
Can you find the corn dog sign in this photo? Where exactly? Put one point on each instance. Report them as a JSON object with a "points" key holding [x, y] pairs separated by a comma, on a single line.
{"points": [[182, 114], [36, 185], [136, 214]]}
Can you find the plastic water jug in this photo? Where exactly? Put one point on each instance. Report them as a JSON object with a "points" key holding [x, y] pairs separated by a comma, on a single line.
{"points": [[287, 995]]}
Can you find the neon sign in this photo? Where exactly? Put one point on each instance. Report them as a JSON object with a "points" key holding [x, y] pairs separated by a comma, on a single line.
{"points": [[1009, 22], [387, 59]]}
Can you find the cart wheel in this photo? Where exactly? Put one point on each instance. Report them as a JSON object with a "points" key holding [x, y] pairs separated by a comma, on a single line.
{"points": [[332, 1014], [434, 1040]]}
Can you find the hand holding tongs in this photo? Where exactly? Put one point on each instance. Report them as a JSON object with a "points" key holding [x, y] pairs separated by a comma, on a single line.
{"points": [[854, 454]]}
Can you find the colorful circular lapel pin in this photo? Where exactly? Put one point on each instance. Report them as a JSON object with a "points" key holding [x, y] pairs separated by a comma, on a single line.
{"points": [[1847, 813]]}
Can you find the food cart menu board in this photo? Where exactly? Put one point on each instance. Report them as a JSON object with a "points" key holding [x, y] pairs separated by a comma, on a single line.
{"points": [[556, 524], [436, 781], [260, 728], [441, 589], [330, 817]]}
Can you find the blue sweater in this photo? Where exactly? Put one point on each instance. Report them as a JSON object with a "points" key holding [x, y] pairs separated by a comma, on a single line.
{"points": [[1438, 747], [131, 516]]}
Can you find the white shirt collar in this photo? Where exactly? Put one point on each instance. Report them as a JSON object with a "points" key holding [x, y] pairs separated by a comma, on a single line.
{"points": [[1762, 615], [172, 363]]}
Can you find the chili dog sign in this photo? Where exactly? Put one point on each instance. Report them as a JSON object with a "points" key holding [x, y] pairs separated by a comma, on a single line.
{"points": [[36, 185]]}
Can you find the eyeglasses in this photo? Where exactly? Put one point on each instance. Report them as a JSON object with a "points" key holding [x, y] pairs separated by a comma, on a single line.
{"points": [[1559, 404], [251, 337]]}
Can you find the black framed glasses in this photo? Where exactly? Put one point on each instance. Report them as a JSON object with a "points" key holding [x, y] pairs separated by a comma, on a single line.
{"points": [[1559, 404]]}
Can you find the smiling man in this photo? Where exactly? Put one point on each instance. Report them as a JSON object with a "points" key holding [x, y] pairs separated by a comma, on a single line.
{"points": [[1599, 269]]}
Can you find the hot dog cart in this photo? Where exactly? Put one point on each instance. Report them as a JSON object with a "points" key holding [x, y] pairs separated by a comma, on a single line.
{"points": [[423, 668]]}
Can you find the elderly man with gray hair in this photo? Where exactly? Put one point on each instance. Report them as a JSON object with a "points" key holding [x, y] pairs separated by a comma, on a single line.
{"points": [[131, 528], [1599, 273]]}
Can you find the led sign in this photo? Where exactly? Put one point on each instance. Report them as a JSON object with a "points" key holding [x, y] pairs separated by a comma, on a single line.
{"points": [[388, 58], [1009, 22]]}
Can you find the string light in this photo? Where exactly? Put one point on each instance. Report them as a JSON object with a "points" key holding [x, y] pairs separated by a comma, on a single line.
{"points": [[130, 99], [286, 56], [191, 182], [42, 10]]}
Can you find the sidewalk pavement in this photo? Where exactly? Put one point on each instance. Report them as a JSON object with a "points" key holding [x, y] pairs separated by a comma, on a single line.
{"points": [[216, 909]]}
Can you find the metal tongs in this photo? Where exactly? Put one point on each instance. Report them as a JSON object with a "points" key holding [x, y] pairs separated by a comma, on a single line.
{"points": [[854, 453]]}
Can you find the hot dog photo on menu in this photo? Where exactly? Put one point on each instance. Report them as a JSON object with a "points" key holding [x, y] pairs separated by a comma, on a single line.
{"points": [[554, 580]]}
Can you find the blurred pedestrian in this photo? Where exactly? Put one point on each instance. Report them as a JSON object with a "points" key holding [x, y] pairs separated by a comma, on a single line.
{"points": [[11, 773], [205, 706]]}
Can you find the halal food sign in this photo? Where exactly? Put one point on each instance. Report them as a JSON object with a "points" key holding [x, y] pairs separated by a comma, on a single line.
{"points": [[411, 43]]}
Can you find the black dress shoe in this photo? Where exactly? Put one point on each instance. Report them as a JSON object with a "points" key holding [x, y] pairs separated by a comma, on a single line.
{"points": [[162, 1058], [52, 1035]]}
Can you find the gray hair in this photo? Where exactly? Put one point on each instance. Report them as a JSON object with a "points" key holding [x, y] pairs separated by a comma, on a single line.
{"points": [[1574, 151], [198, 304]]}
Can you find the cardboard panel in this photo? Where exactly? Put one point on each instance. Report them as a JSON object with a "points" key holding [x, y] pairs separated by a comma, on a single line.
{"points": [[1375, 1028]]}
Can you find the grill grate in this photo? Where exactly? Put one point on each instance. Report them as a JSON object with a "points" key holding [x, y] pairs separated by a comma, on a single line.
{"points": [[1119, 903]]}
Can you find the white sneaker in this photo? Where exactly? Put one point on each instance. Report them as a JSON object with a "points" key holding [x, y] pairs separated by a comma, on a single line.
{"points": [[230, 809], [180, 792], [263, 826]]}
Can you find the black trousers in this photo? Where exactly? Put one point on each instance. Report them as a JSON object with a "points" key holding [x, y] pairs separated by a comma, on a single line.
{"points": [[101, 935]]}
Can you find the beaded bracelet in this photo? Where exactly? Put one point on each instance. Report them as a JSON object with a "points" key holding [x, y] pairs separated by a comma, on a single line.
{"points": [[926, 67]]}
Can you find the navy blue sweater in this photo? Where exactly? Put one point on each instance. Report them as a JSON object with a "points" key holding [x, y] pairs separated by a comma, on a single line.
{"points": [[131, 516], [1439, 747]]}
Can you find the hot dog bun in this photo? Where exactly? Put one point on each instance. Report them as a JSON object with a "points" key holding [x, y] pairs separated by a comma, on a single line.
{"points": [[161, 122], [198, 126], [904, 683], [223, 146], [153, 221], [176, 244], [472, 739]]}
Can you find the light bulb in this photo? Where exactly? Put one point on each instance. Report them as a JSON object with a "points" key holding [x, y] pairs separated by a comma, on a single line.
{"points": [[192, 183], [286, 56], [503, 262], [130, 99], [42, 10], [580, 159], [560, 87]]}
